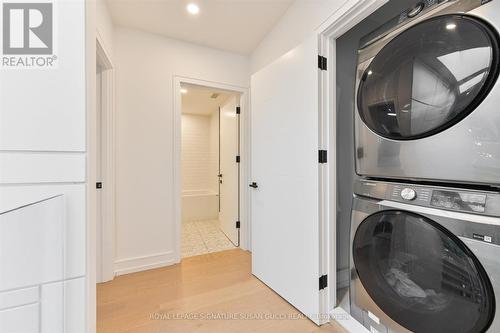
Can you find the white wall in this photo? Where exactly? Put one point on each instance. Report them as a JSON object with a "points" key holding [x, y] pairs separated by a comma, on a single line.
{"points": [[105, 26], [43, 153], [145, 67], [300, 20], [199, 152]]}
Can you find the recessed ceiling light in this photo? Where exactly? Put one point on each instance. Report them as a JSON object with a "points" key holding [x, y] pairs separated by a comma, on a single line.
{"points": [[193, 8], [184, 91], [451, 26]]}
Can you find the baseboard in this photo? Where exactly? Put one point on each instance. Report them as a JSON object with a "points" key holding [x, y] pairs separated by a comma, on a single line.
{"points": [[344, 319], [139, 264]]}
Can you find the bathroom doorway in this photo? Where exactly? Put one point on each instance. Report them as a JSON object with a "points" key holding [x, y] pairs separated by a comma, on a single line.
{"points": [[210, 169]]}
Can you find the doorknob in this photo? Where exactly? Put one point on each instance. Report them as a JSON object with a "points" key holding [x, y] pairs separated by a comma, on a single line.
{"points": [[254, 185]]}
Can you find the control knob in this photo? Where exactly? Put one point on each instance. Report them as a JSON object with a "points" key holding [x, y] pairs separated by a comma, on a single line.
{"points": [[416, 10], [408, 194]]}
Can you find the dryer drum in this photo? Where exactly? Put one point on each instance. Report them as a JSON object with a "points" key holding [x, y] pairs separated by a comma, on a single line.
{"points": [[429, 77], [421, 275]]}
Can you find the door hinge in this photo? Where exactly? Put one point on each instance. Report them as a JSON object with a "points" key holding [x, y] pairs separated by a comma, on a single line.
{"points": [[322, 63], [237, 224], [322, 156], [323, 282], [98, 185], [238, 110], [238, 159]]}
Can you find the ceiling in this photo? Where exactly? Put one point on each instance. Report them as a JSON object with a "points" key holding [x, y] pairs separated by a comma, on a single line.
{"points": [[231, 25], [198, 100]]}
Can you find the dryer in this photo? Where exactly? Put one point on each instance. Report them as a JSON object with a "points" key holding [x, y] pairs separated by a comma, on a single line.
{"points": [[425, 259], [427, 95]]}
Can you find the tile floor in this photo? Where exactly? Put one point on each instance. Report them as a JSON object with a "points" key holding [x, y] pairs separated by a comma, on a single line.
{"points": [[201, 237]]}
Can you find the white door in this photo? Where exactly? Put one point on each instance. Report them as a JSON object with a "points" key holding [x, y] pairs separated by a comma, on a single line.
{"points": [[228, 214], [285, 205]]}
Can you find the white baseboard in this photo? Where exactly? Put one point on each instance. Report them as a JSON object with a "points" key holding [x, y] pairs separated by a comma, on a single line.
{"points": [[138, 264], [341, 317]]}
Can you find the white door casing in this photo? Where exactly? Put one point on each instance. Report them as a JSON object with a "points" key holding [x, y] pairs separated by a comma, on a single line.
{"points": [[99, 160], [104, 165], [285, 205], [229, 149], [345, 18], [244, 153]]}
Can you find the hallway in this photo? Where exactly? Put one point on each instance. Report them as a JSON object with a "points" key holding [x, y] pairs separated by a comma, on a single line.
{"points": [[215, 284]]}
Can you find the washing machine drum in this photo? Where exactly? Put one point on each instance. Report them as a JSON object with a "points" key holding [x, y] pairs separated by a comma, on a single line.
{"points": [[421, 275], [429, 77]]}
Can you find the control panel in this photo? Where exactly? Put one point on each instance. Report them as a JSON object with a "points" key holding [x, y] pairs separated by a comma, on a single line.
{"points": [[417, 9], [448, 198]]}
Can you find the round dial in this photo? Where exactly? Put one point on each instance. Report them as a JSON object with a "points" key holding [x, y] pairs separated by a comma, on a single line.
{"points": [[416, 10], [408, 194]]}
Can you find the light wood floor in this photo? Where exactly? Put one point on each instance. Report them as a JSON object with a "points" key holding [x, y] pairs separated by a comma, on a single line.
{"points": [[216, 284]]}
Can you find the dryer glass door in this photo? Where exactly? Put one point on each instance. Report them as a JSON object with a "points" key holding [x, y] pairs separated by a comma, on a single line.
{"points": [[421, 275], [429, 77]]}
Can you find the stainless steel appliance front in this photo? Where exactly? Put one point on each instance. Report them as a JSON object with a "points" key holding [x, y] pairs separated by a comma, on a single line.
{"points": [[427, 262], [427, 95]]}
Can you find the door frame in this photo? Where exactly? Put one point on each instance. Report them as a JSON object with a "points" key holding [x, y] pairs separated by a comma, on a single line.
{"points": [[108, 164], [245, 221], [345, 18]]}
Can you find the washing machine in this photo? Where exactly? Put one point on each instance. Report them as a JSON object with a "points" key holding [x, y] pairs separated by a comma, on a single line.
{"points": [[427, 95], [425, 259]]}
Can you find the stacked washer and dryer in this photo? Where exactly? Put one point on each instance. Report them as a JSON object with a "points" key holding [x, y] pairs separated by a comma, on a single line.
{"points": [[425, 225]]}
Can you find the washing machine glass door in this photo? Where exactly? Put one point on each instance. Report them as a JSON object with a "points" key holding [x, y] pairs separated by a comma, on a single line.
{"points": [[421, 275], [429, 77]]}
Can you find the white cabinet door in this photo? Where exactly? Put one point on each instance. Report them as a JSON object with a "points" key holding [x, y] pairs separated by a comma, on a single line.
{"points": [[228, 214], [32, 244], [285, 205]]}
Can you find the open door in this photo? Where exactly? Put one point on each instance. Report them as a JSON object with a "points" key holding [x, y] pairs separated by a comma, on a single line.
{"points": [[285, 178], [229, 169]]}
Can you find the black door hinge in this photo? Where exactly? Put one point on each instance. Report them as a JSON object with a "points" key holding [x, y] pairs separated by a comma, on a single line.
{"points": [[98, 185], [322, 156], [237, 224], [238, 110], [323, 282], [238, 159], [322, 63]]}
